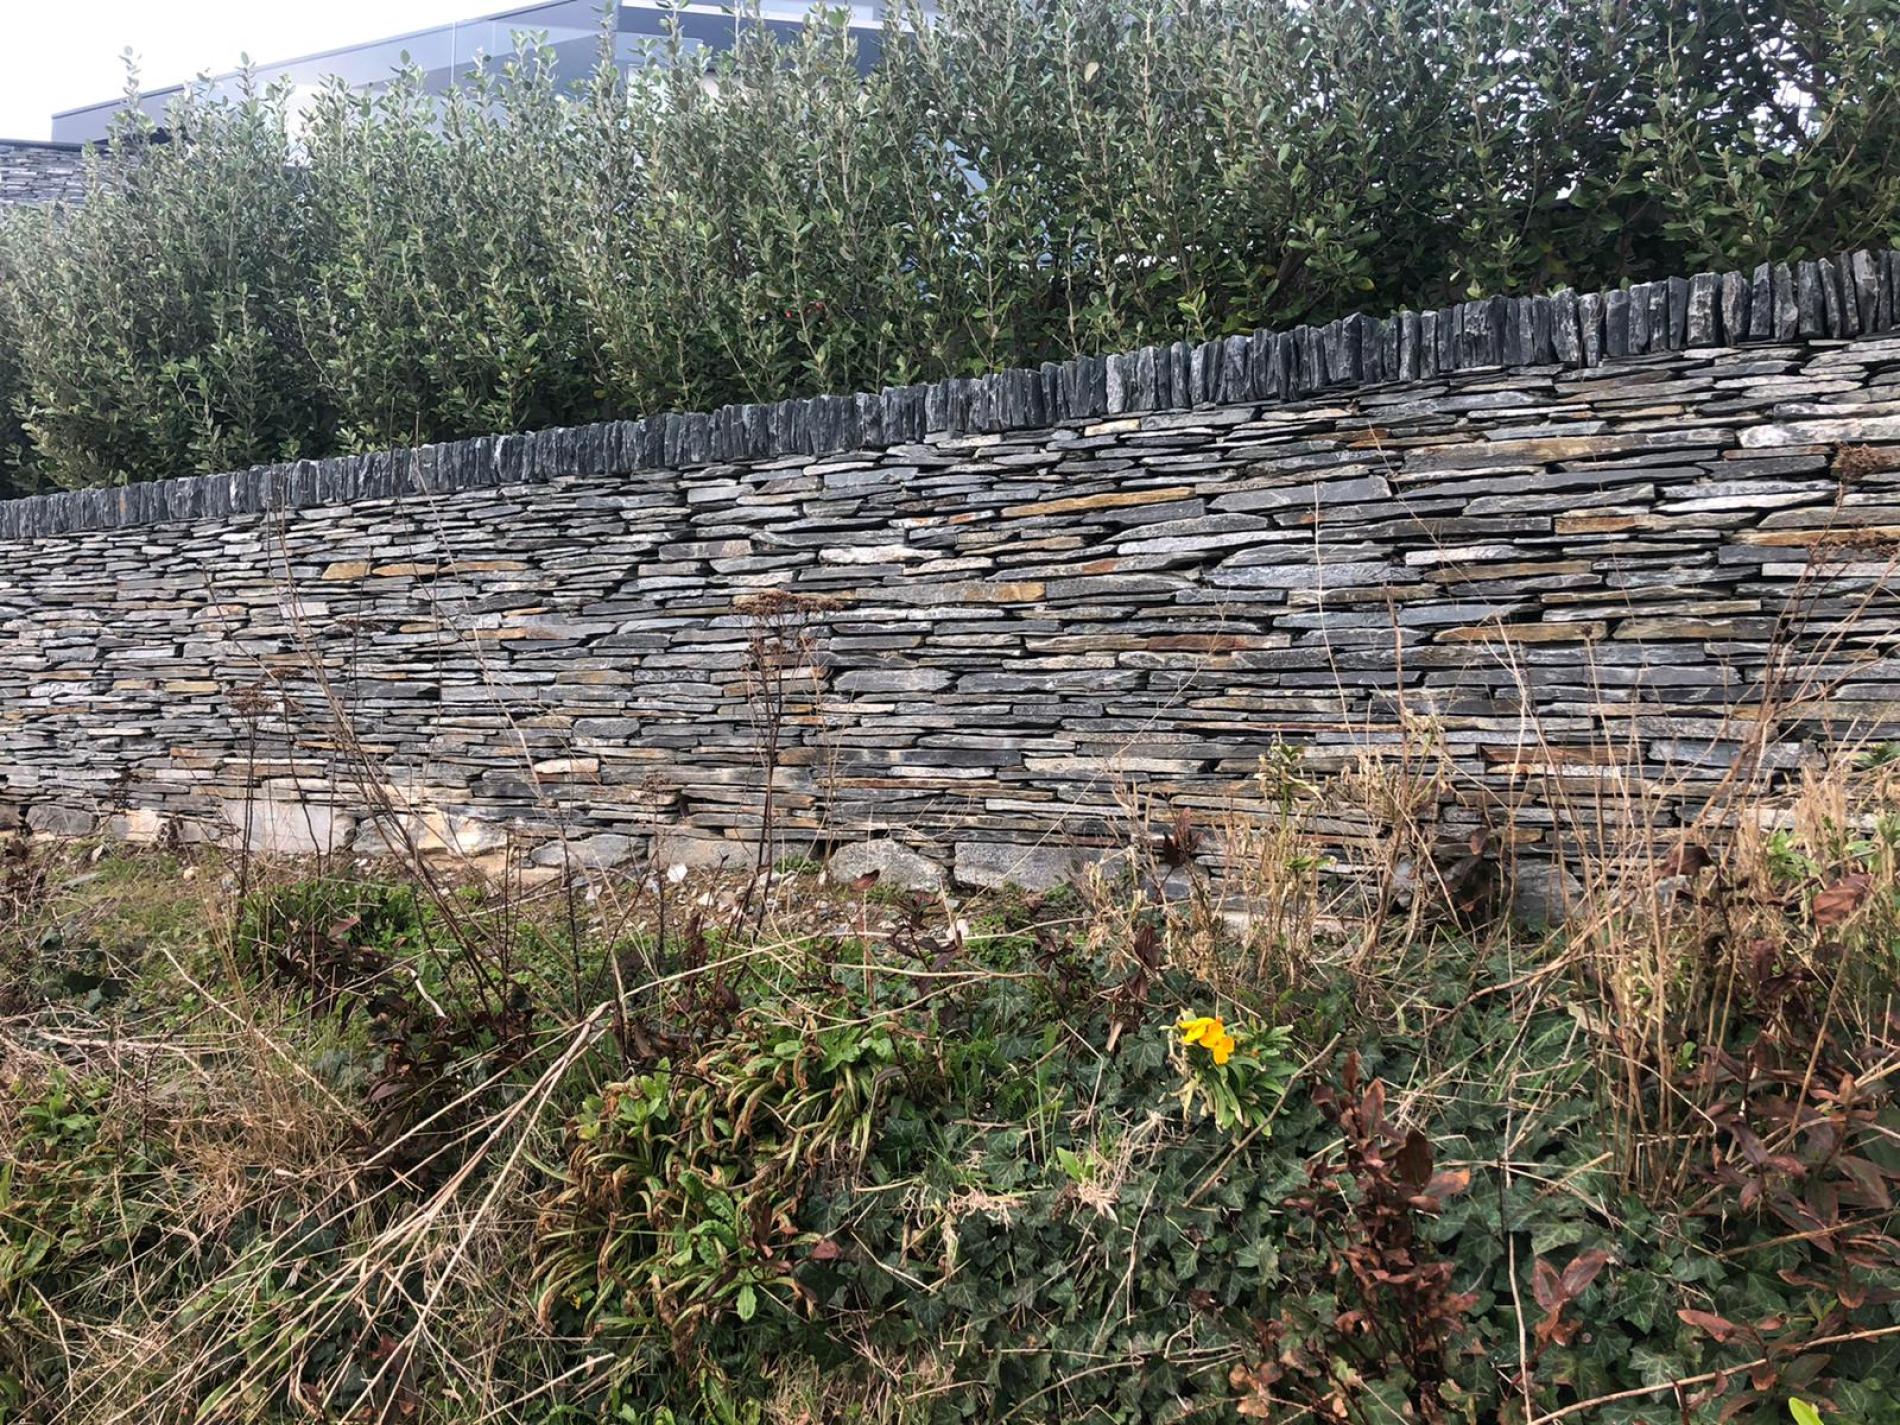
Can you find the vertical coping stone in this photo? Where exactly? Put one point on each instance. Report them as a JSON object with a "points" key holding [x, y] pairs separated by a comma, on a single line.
{"points": [[752, 435], [1704, 288], [1844, 294], [1179, 364], [1286, 363], [1511, 335], [1656, 294], [1543, 331], [1616, 322], [1150, 372], [1309, 371], [1369, 343], [695, 439], [1377, 335], [1590, 327], [1833, 309], [901, 422], [1264, 381], [1734, 308], [1236, 370], [1761, 304], [1055, 404], [1026, 403], [779, 424], [1094, 384], [1497, 315], [1074, 388], [1201, 368], [1640, 337], [633, 448], [1055, 399], [1786, 313], [725, 426], [1428, 344], [937, 417], [1474, 347], [962, 404], [1409, 337], [1678, 313], [1810, 308], [1866, 289], [1120, 369], [1566, 338], [1346, 359], [841, 429], [986, 393], [1332, 353]]}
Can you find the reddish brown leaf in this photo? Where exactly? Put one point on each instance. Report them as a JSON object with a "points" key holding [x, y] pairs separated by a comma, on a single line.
{"points": [[1870, 1178], [1582, 1271], [1547, 1286], [1449, 1183], [1414, 1161], [1372, 1106], [1720, 1327], [1840, 900]]}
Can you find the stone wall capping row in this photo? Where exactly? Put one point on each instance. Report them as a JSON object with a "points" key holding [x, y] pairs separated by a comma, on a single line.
{"points": [[1851, 295]]}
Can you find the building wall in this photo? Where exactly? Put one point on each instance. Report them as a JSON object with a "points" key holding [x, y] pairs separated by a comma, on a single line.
{"points": [[40, 172], [1020, 603]]}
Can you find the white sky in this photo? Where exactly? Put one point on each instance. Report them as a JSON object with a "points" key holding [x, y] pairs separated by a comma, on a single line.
{"points": [[60, 54]]}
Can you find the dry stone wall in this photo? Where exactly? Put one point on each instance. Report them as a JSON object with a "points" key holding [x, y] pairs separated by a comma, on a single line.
{"points": [[34, 172], [1025, 612]]}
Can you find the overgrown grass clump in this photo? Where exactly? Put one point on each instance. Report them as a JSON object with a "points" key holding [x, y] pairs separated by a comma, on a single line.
{"points": [[375, 1148], [295, 276]]}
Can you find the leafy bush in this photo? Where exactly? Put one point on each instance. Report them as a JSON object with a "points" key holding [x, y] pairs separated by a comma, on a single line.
{"points": [[1009, 182]]}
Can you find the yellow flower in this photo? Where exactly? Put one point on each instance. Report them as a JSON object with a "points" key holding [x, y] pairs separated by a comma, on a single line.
{"points": [[1207, 1031], [1193, 1031]]}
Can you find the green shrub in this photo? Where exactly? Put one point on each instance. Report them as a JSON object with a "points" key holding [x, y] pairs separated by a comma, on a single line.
{"points": [[1010, 182]]}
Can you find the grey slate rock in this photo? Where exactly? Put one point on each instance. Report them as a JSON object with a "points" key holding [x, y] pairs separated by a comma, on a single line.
{"points": [[894, 863], [1616, 322], [1678, 313], [1637, 319], [1566, 328], [1590, 324], [1704, 318], [1786, 313], [1810, 308], [1761, 310], [1865, 286]]}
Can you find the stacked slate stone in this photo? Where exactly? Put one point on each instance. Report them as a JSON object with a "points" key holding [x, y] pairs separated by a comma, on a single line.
{"points": [[32, 173], [1575, 549]]}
